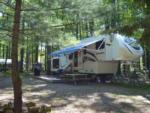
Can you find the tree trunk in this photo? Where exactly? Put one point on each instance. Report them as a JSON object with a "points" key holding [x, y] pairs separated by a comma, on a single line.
{"points": [[49, 50], [9, 50], [32, 56], [77, 30], [91, 27], [144, 56], [80, 28], [45, 64], [5, 66], [22, 49], [145, 39], [16, 80], [0, 50], [36, 53], [27, 55], [148, 61], [3, 51], [113, 17], [21, 59], [86, 29]]}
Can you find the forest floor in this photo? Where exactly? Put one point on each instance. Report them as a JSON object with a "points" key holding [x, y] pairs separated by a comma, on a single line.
{"points": [[83, 98]]}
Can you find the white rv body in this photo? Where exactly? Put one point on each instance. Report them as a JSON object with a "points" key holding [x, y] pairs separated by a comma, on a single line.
{"points": [[7, 61], [97, 55]]}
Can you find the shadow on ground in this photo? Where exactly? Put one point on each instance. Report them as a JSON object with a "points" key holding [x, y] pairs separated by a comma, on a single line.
{"points": [[88, 98]]}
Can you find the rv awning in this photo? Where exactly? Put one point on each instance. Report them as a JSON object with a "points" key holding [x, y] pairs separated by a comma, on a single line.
{"points": [[83, 43]]}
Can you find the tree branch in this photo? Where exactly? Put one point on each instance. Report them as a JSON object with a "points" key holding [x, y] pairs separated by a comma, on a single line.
{"points": [[36, 9], [8, 5]]}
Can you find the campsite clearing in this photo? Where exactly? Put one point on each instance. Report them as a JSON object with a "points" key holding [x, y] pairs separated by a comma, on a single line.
{"points": [[85, 98]]}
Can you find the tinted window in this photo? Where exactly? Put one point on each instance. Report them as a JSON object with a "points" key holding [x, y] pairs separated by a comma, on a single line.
{"points": [[70, 56], [55, 63], [100, 44], [133, 43]]}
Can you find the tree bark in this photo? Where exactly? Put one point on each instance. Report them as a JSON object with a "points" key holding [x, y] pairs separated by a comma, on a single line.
{"points": [[0, 50], [86, 29], [16, 80], [9, 50], [5, 66], [3, 51], [148, 61], [45, 65], [27, 55], [32, 55], [49, 50], [80, 30], [91, 27], [22, 51], [21, 59], [36, 53], [77, 31]]}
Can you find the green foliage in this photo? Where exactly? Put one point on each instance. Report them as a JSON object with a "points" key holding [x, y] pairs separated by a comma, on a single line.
{"points": [[7, 73], [59, 23], [24, 74]]}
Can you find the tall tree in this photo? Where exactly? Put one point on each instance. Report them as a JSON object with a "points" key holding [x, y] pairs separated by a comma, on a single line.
{"points": [[16, 80]]}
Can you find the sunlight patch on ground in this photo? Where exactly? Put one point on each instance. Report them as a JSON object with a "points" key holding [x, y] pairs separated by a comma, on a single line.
{"points": [[72, 109], [65, 98], [88, 100], [141, 99], [127, 98], [39, 85], [34, 86], [38, 94], [5, 97]]}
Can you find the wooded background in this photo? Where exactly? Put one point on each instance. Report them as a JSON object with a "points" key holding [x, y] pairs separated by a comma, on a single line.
{"points": [[46, 25], [31, 29]]}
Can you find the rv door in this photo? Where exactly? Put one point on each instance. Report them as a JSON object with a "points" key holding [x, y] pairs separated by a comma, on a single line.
{"points": [[55, 63]]}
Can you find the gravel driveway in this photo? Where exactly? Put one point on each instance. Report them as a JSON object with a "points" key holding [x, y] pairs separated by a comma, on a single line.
{"points": [[85, 98]]}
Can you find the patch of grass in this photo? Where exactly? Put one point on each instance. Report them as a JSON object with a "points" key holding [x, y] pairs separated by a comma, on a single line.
{"points": [[25, 74], [145, 87], [7, 73]]}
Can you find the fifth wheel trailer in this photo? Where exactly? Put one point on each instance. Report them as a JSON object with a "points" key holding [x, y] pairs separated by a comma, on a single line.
{"points": [[96, 55]]}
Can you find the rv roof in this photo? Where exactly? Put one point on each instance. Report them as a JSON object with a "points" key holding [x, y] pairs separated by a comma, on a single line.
{"points": [[81, 44]]}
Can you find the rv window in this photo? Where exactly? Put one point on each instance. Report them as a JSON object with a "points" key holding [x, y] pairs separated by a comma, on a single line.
{"points": [[100, 44], [55, 63], [84, 51], [70, 56], [133, 43]]}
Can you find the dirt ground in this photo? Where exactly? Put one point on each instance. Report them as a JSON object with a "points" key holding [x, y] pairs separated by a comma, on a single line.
{"points": [[83, 98]]}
